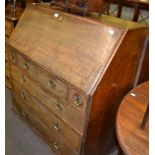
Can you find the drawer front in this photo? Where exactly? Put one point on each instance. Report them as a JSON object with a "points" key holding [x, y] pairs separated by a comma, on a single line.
{"points": [[8, 28], [78, 100], [62, 109], [48, 82], [52, 121], [57, 144]]}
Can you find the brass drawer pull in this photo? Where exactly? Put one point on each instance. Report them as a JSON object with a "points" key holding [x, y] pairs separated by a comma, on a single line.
{"points": [[23, 114], [59, 106], [56, 146], [58, 16], [56, 126], [12, 55], [23, 96], [77, 100], [22, 79], [26, 66], [51, 84]]}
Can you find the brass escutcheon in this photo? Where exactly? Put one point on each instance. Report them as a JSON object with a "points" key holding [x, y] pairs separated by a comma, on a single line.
{"points": [[59, 106], [58, 16], [56, 126], [12, 55], [26, 66], [51, 84], [77, 100], [22, 79], [56, 146], [23, 95], [23, 114]]}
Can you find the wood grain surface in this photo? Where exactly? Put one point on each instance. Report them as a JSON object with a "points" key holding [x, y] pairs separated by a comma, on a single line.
{"points": [[53, 123], [93, 63], [133, 139], [54, 141], [68, 114], [62, 45]]}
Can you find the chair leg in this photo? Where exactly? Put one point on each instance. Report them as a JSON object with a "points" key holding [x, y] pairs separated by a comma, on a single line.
{"points": [[120, 5], [137, 11], [107, 8], [145, 119], [104, 8]]}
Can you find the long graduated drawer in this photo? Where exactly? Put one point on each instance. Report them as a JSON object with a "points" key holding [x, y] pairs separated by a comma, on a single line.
{"points": [[51, 99]]}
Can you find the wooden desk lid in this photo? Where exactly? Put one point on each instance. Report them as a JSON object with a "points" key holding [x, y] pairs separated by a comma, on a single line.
{"points": [[74, 48]]}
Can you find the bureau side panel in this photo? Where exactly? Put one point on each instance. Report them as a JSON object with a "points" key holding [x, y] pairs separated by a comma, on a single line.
{"points": [[117, 80]]}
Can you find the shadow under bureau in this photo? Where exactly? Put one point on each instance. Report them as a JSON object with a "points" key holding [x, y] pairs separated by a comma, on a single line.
{"points": [[68, 75]]}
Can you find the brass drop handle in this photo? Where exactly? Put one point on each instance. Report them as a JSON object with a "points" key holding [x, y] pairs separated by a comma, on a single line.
{"points": [[23, 95], [26, 66], [56, 126], [51, 84], [58, 16], [12, 55], [77, 100], [22, 79], [23, 114], [59, 106], [56, 146]]}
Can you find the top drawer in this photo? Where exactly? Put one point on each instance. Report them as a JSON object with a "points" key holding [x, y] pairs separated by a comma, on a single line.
{"points": [[47, 82]]}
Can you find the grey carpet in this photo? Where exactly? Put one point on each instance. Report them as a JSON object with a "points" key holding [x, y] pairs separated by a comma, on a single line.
{"points": [[20, 139]]}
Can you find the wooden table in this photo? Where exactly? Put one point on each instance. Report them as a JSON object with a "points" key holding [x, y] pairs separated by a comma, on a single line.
{"points": [[133, 139]]}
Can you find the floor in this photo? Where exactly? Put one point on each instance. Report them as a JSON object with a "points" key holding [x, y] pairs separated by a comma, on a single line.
{"points": [[20, 139]]}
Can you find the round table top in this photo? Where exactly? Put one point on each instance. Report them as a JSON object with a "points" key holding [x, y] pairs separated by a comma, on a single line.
{"points": [[133, 139]]}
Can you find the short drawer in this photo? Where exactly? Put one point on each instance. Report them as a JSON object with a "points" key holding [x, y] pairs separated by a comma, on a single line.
{"points": [[48, 82], [55, 124], [61, 108], [78, 100], [8, 28], [55, 142]]}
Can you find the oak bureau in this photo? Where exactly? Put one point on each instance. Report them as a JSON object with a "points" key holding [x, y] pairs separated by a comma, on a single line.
{"points": [[68, 75]]}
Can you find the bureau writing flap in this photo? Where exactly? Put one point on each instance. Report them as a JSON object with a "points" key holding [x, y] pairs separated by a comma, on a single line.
{"points": [[75, 49]]}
